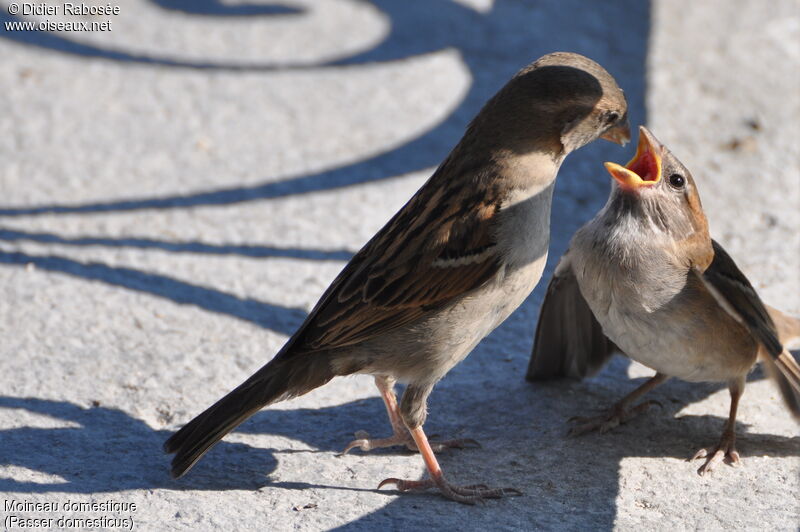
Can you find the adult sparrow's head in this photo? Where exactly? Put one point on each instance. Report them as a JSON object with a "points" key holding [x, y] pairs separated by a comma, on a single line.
{"points": [[561, 101]]}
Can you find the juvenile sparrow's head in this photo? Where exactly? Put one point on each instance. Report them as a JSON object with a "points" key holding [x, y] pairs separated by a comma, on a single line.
{"points": [[560, 102], [655, 195]]}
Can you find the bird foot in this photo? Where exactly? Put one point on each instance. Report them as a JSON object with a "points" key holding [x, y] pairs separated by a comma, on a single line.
{"points": [[725, 451], [616, 416], [458, 443], [365, 443], [463, 494]]}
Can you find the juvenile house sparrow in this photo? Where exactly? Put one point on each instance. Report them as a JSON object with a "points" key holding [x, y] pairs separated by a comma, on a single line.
{"points": [[644, 276], [448, 268]]}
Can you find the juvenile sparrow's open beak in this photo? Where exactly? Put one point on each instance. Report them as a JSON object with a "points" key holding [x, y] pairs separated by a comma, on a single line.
{"points": [[619, 134], [644, 169]]}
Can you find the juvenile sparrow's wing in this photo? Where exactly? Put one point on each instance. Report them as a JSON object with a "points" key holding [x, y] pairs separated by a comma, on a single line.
{"points": [[439, 246], [569, 342], [736, 295]]}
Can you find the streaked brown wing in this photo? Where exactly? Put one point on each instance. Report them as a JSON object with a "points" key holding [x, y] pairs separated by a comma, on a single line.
{"points": [[569, 341], [437, 247]]}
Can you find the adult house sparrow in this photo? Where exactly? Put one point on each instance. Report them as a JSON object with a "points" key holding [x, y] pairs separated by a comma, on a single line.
{"points": [[644, 276], [448, 268]]}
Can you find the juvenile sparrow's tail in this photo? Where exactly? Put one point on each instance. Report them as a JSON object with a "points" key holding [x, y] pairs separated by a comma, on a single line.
{"points": [[788, 326], [783, 368], [282, 378]]}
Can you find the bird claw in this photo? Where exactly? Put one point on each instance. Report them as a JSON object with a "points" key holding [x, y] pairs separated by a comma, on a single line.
{"points": [[364, 442], [701, 453], [477, 487], [472, 494], [724, 452], [399, 483], [653, 402], [460, 443], [603, 423]]}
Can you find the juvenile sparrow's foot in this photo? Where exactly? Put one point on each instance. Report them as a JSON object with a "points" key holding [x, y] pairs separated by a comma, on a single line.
{"points": [[365, 443], [463, 494], [617, 415], [725, 450]]}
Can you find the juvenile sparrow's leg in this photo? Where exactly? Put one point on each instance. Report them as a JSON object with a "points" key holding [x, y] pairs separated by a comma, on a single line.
{"points": [[726, 448], [413, 414], [401, 435], [619, 413]]}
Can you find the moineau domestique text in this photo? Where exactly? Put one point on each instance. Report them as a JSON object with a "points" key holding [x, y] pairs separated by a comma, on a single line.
{"points": [[110, 505]]}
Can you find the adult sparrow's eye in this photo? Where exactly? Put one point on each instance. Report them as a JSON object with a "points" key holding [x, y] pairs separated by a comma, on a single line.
{"points": [[611, 117], [677, 181]]}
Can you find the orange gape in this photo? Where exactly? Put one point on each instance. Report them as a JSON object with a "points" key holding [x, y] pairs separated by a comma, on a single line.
{"points": [[645, 166]]}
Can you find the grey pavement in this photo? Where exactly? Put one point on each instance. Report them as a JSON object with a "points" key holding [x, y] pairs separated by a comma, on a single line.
{"points": [[177, 193]]}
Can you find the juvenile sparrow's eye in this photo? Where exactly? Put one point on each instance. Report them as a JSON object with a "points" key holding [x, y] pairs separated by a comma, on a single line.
{"points": [[611, 117], [677, 181]]}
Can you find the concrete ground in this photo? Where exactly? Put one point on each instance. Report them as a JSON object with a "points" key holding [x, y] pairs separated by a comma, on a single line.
{"points": [[177, 193]]}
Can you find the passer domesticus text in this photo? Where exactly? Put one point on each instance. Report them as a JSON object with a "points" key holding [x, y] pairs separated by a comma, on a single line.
{"points": [[645, 276], [448, 268]]}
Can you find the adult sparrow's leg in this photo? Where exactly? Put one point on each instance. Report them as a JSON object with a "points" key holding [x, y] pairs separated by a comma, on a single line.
{"points": [[401, 434], [413, 415]]}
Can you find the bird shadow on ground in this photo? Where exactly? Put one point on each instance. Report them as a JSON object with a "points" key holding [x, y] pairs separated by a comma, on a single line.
{"points": [[60, 42], [75, 449], [493, 45], [274, 317], [243, 250], [216, 8], [104, 449]]}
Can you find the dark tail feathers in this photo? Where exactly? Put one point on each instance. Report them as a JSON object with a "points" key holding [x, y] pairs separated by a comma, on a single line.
{"points": [[282, 378], [783, 368], [786, 373]]}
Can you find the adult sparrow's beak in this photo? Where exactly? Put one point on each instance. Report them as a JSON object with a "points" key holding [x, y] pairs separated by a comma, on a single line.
{"points": [[644, 169], [619, 134]]}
